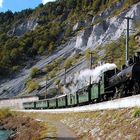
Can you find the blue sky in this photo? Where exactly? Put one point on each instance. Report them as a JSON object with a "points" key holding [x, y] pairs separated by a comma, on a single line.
{"points": [[18, 5]]}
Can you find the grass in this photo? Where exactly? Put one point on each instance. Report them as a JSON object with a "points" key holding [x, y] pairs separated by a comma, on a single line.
{"points": [[136, 112], [5, 113]]}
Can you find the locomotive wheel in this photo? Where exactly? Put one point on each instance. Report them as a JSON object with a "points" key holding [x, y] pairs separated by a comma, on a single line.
{"points": [[136, 88]]}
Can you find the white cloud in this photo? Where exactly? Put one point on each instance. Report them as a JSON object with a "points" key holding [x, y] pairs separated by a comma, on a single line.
{"points": [[1, 3], [45, 1]]}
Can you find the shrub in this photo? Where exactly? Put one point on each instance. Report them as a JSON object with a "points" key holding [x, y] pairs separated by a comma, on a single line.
{"points": [[15, 68], [68, 31], [35, 71], [87, 54], [57, 82], [31, 86], [68, 63], [5, 113], [136, 112], [52, 74]]}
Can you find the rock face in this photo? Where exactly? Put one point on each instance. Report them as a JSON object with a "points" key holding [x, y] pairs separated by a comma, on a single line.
{"points": [[108, 30], [82, 38], [106, 14], [22, 27], [78, 25]]}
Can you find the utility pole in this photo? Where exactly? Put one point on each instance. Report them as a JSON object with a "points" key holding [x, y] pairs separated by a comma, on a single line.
{"points": [[65, 76], [127, 39], [46, 88], [91, 56]]}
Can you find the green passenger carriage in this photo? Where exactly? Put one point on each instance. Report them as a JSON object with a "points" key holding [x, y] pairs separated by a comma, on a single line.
{"points": [[29, 105], [72, 99], [52, 103], [62, 101], [83, 95], [43, 104]]}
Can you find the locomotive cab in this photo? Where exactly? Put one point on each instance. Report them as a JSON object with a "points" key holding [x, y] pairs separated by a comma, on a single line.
{"points": [[137, 57], [136, 72]]}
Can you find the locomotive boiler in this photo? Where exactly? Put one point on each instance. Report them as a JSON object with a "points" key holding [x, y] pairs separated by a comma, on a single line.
{"points": [[127, 81]]}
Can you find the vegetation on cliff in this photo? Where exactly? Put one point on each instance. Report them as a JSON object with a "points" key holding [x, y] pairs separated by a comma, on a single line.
{"points": [[55, 21]]}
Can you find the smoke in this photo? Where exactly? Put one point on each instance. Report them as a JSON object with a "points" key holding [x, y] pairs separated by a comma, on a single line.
{"points": [[95, 73], [82, 78]]}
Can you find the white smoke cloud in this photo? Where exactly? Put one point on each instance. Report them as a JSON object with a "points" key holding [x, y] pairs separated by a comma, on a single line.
{"points": [[1, 3], [82, 78], [46, 1], [95, 73]]}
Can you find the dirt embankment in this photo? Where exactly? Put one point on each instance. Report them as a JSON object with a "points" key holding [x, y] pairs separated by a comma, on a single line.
{"points": [[23, 127], [103, 125]]}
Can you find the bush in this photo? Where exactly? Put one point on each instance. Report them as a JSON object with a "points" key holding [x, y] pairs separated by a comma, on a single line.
{"points": [[57, 82], [52, 74], [136, 112], [35, 71], [87, 54], [5, 113], [68, 63], [31, 86]]}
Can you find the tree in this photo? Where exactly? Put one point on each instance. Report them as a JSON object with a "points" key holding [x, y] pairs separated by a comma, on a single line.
{"points": [[96, 5], [68, 63], [71, 4], [51, 47], [31, 86], [57, 82], [35, 71], [87, 54]]}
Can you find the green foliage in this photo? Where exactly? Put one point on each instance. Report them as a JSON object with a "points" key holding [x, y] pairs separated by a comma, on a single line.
{"points": [[5, 113], [71, 4], [31, 86], [68, 63], [55, 20], [87, 54], [51, 66], [35, 71], [52, 74], [136, 112], [57, 81], [96, 5], [54, 65], [68, 31], [51, 47], [115, 52]]}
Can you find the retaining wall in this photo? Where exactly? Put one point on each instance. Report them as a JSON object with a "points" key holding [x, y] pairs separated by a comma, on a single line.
{"points": [[16, 103]]}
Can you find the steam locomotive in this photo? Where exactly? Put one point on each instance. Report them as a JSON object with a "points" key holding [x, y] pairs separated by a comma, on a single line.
{"points": [[112, 84]]}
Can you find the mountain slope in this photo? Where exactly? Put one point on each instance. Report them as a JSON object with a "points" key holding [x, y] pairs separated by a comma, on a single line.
{"points": [[60, 29]]}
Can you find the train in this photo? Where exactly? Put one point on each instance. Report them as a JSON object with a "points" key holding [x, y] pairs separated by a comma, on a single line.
{"points": [[112, 84]]}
